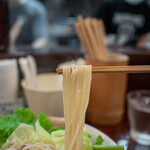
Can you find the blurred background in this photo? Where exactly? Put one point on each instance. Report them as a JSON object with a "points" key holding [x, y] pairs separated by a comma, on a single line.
{"points": [[51, 23], [45, 29], [54, 18]]}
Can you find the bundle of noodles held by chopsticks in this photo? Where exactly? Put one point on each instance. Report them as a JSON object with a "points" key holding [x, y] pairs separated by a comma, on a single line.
{"points": [[76, 90]]}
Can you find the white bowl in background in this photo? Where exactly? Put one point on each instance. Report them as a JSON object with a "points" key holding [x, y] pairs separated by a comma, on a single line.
{"points": [[49, 98]]}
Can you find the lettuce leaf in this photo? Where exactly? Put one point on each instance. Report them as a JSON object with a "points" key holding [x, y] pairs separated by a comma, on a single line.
{"points": [[20, 115], [44, 122], [58, 138], [25, 134], [99, 140]]}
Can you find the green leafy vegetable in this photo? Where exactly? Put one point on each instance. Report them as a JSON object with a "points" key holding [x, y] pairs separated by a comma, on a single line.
{"points": [[58, 138], [108, 147], [57, 128], [44, 122], [20, 115], [99, 140], [23, 121], [98, 145]]}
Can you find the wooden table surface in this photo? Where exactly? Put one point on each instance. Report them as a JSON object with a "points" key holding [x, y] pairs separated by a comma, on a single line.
{"points": [[120, 134]]}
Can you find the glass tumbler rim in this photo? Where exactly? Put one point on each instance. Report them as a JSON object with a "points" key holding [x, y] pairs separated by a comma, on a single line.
{"points": [[136, 95]]}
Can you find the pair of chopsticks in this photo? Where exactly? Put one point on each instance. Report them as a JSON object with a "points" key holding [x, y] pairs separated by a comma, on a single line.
{"points": [[29, 69], [91, 33], [117, 69]]}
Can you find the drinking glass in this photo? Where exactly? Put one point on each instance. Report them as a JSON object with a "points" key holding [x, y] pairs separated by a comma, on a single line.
{"points": [[139, 116]]}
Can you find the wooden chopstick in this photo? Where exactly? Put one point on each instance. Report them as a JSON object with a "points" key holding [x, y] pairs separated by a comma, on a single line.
{"points": [[87, 35], [91, 37], [117, 69], [102, 35], [86, 38], [83, 37], [99, 38]]}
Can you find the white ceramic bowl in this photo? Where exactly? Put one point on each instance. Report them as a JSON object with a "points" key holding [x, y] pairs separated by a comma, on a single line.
{"points": [[48, 99], [95, 132]]}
